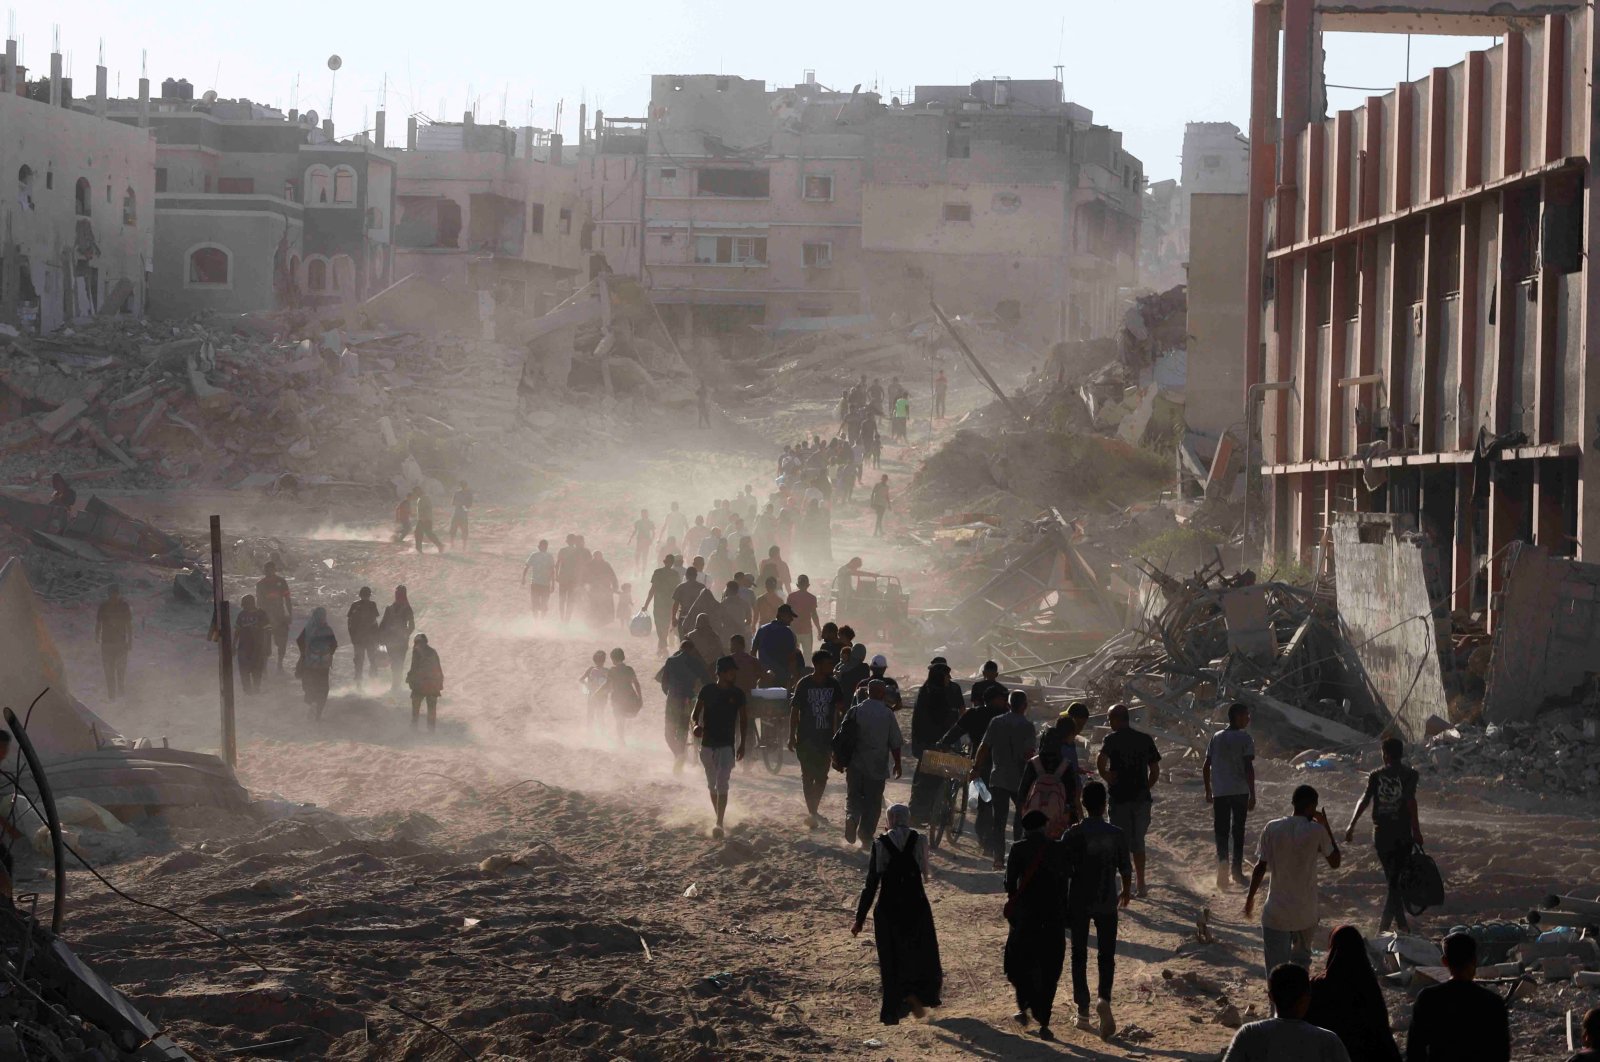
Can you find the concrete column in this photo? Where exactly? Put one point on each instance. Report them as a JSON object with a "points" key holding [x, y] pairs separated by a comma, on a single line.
{"points": [[55, 79], [144, 103], [100, 102], [379, 128], [8, 75], [411, 133]]}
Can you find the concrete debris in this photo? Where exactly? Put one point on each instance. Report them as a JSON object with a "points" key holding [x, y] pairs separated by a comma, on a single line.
{"points": [[1560, 753]]}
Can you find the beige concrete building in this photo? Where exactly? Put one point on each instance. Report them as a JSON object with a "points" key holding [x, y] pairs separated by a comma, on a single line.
{"points": [[77, 225], [1213, 403]]}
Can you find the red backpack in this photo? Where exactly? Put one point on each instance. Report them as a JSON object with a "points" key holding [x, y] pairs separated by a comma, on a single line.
{"points": [[1049, 795]]}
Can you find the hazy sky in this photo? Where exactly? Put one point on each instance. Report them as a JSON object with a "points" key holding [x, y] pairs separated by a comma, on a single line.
{"points": [[1144, 67]]}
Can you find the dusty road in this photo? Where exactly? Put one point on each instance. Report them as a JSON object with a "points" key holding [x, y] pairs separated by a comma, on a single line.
{"points": [[520, 881]]}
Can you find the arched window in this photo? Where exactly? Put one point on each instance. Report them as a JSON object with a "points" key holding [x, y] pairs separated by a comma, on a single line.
{"points": [[344, 185], [316, 274], [319, 186], [210, 266], [130, 208], [81, 194], [25, 187]]}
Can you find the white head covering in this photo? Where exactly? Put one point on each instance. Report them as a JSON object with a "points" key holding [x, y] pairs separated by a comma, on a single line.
{"points": [[898, 818]]}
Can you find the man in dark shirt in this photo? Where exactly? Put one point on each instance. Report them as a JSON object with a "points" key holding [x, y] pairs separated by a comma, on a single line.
{"points": [[1392, 792], [972, 725], [462, 503], [663, 581], [980, 688], [1037, 878], [113, 629], [1459, 1021], [1097, 853], [775, 646], [362, 623], [1131, 766], [719, 722], [272, 596], [689, 600], [816, 708]]}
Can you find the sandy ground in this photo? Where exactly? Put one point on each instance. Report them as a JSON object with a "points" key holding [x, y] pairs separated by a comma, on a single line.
{"points": [[520, 880]]}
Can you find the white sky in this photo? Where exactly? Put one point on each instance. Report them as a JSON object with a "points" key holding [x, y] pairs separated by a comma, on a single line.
{"points": [[1144, 67]]}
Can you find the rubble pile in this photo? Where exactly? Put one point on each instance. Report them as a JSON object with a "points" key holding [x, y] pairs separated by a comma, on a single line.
{"points": [[1548, 755]]}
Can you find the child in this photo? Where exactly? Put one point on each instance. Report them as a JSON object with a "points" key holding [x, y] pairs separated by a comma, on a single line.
{"points": [[624, 606], [593, 683], [622, 688]]}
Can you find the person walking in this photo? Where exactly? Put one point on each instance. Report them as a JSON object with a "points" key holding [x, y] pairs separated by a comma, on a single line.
{"points": [[941, 388], [317, 643], [1008, 745], [901, 417], [720, 719], [1037, 880], [569, 577], [402, 517], [394, 631], [113, 629], [775, 646], [1289, 850], [1289, 1037], [803, 603], [880, 504], [424, 526], [658, 599], [272, 594], [1097, 856], [815, 709], [1392, 794], [909, 969], [1131, 766], [361, 623], [600, 580], [426, 679], [690, 599], [461, 506], [252, 643], [1347, 1001], [642, 537], [623, 693], [936, 709], [539, 572], [1459, 1021], [681, 678], [1229, 773], [878, 741]]}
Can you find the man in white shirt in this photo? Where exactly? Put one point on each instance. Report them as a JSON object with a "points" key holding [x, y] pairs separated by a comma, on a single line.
{"points": [[673, 527], [1289, 850], [1288, 1037], [540, 575]]}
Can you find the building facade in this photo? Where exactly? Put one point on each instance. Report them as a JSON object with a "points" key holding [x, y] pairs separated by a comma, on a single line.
{"points": [[487, 208], [1418, 341], [259, 210], [77, 227]]}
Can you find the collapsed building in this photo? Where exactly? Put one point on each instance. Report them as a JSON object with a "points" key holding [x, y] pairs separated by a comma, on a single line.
{"points": [[774, 208]]}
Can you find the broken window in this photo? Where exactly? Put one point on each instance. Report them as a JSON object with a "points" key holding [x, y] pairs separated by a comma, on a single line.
{"points": [[208, 266], [130, 208], [1561, 227], [316, 274], [344, 185], [236, 186], [957, 145], [25, 188], [536, 217], [586, 237], [730, 250], [319, 185], [818, 255], [736, 183], [958, 211], [161, 178], [566, 222], [81, 196], [819, 187]]}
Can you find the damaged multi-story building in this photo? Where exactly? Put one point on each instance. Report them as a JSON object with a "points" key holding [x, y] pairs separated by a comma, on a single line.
{"points": [[1420, 287], [769, 208], [257, 209], [76, 229], [490, 212]]}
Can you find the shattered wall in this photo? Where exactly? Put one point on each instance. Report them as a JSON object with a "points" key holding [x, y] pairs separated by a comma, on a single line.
{"points": [[1384, 586], [1215, 390], [249, 230], [73, 251], [1547, 644]]}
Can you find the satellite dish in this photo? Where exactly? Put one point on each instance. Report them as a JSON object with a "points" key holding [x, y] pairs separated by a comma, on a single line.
{"points": [[310, 118], [210, 96], [334, 62]]}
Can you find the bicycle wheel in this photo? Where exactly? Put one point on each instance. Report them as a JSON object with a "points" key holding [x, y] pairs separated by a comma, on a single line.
{"points": [[771, 751], [939, 819], [959, 826]]}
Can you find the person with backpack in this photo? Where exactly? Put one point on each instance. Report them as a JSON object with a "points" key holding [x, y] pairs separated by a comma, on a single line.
{"points": [[909, 969], [1008, 745], [1058, 755], [1097, 854], [426, 679], [1396, 830], [1037, 881], [317, 643], [876, 741], [1229, 772], [623, 692], [1050, 792]]}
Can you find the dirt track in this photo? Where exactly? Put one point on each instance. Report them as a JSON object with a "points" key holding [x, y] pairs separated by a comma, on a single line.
{"points": [[583, 945]]}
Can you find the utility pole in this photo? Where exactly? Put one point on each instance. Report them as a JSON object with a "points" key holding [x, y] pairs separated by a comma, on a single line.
{"points": [[230, 741]]}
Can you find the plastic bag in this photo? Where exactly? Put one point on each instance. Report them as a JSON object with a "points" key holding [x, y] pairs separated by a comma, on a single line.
{"points": [[977, 792]]}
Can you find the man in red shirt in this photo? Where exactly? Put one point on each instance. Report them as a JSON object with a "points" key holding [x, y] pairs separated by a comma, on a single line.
{"points": [[804, 603]]}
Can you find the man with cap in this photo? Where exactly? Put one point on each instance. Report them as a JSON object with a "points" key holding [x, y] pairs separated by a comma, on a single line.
{"points": [[719, 719], [362, 623], [775, 646], [877, 669]]}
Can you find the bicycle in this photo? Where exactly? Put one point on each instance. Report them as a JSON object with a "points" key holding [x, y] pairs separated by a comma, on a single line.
{"points": [[948, 815]]}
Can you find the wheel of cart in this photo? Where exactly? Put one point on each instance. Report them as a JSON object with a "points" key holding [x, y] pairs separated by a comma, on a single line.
{"points": [[947, 814], [771, 712]]}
